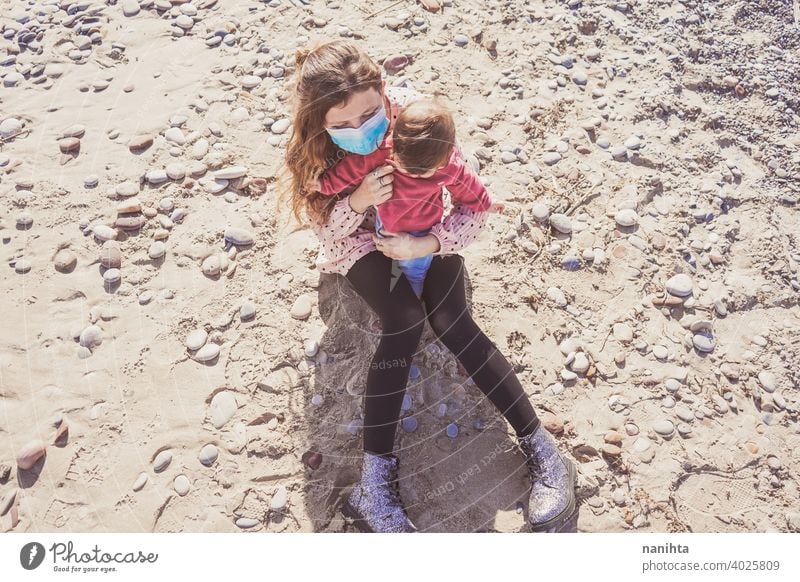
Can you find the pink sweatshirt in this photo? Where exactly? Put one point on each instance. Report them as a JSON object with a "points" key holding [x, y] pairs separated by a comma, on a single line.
{"points": [[347, 235], [416, 203]]}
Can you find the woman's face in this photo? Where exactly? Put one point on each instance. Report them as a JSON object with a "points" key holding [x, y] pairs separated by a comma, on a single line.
{"points": [[361, 106]]}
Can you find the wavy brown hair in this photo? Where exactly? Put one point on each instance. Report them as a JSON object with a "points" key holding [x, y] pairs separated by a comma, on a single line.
{"points": [[326, 75]]}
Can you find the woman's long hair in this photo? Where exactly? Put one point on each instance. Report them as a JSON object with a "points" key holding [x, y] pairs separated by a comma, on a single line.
{"points": [[326, 75]]}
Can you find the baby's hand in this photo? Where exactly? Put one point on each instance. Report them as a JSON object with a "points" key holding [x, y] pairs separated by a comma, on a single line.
{"points": [[497, 207]]}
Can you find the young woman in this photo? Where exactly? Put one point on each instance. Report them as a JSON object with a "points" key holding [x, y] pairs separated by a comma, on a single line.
{"points": [[339, 86]]}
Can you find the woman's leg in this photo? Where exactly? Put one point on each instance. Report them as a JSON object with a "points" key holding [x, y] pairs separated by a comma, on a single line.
{"points": [[445, 303], [403, 319]]}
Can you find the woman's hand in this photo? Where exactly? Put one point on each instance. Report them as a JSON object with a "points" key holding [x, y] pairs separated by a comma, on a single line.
{"points": [[404, 246], [375, 189]]}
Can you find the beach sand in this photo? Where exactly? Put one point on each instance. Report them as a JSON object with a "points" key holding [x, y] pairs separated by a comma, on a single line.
{"points": [[171, 361]]}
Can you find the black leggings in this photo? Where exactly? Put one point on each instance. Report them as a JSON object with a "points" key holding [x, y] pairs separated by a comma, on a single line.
{"points": [[402, 316]]}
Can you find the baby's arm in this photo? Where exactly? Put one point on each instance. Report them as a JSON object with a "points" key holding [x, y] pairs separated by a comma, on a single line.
{"points": [[346, 174], [465, 187]]}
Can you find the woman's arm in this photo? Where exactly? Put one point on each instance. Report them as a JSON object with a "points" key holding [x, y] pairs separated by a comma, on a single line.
{"points": [[342, 222], [461, 227]]}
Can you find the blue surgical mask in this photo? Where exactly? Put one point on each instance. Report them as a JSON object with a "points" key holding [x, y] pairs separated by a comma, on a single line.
{"points": [[366, 138]]}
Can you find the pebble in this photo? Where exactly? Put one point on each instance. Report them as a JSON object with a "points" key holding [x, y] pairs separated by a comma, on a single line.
{"points": [[452, 430], [633, 143], [211, 266], [660, 352], [767, 380], [317, 399], [29, 454], [162, 460], [208, 454], [540, 212], [557, 296], [91, 336], [279, 127], [223, 407], [554, 389], [196, 339], [246, 522], [22, 266], [774, 463], [580, 364], [680, 285], [561, 223], [103, 232], [65, 261], [110, 255], [310, 347], [140, 142], [181, 485], [684, 429], [313, 460], [626, 217], [414, 372], [247, 311], [631, 429], [704, 342], [238, 236], [301, 308], [10, 127], [641, 444], [231, 174], [354, 426], [553, 423], [409, 424], [130, 7], [684, 413], [175, 135], [140, 482], [664, 427], [112, 276], [279, 499], [622, 332], [157, 250], [551, 158], [207, 353]]}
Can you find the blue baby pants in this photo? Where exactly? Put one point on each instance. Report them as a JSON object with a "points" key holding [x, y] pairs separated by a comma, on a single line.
{"points": [[413, 269]]}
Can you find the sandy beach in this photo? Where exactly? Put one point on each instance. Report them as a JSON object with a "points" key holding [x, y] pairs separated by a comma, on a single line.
{"points": [[171, 360]]}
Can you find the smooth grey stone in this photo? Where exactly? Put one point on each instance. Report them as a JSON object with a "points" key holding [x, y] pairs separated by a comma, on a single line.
{"points": [[207, 353], [680, 285], [208, 454], [140, 482], [162, 460], [279, 499], [196, 339], [91, 336], [223, 407], [664, 427]]}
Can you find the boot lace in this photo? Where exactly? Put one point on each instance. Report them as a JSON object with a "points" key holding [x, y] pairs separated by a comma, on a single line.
{"points": [[533, 461]]}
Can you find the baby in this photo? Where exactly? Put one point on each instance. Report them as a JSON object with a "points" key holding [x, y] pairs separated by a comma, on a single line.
{"points": [[422, 149]]}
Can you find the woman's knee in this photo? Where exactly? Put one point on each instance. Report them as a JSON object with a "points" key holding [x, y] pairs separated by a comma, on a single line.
{"points": [[404, 319], [446, 321]]}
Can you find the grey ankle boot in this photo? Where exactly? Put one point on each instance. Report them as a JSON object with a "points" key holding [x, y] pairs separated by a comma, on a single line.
{"points": [[374, 504], [553, 480]]}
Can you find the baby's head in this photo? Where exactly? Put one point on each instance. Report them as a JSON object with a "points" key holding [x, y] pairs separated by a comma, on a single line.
{"points": [[424, 136]]}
